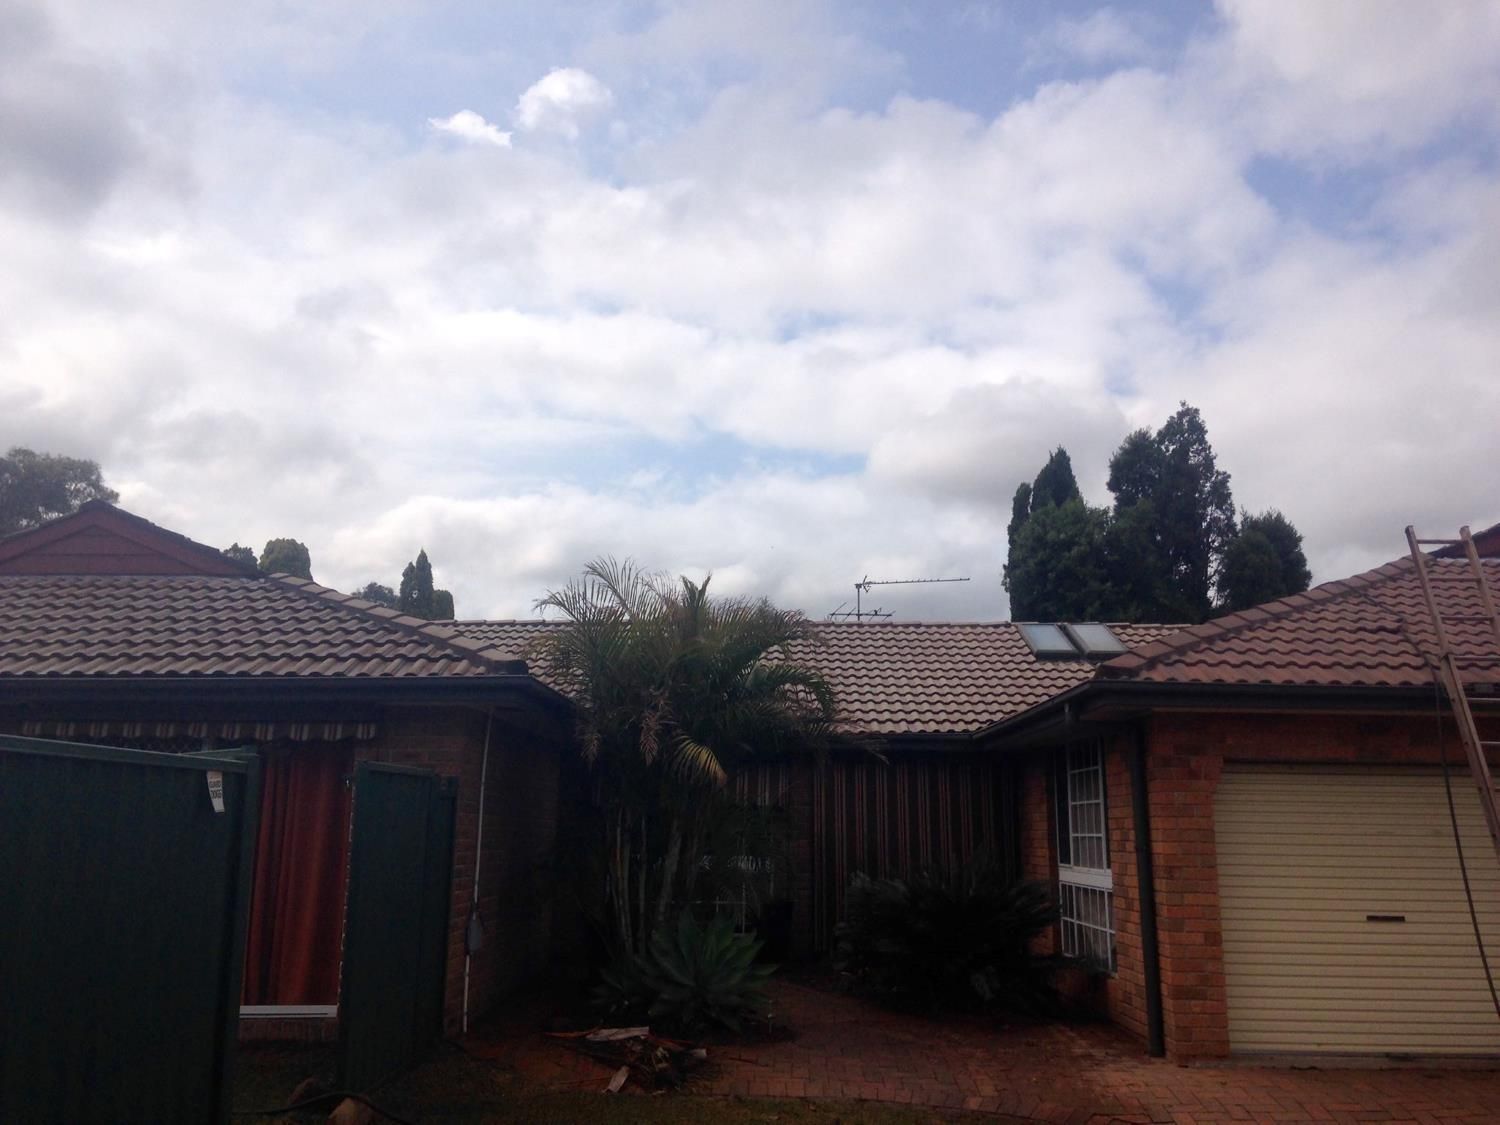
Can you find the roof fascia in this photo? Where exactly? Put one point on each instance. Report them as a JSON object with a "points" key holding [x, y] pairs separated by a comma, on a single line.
{"points": [[1102, 701]]}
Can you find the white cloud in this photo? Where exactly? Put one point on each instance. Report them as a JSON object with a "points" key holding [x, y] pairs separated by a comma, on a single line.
{"points": [[1102, 36], [470, 126], [1369, 77], [562, 101], [791, 344]]}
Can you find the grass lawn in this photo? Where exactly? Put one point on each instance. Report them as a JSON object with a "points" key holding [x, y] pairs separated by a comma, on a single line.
{"points": [[452, 1087]]}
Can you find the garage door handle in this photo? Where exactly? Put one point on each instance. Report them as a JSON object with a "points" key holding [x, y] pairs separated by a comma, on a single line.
{"points": [[1385, 917]]}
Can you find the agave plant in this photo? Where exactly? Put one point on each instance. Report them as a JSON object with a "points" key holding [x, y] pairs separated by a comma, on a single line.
{"points": [[693, 978]]}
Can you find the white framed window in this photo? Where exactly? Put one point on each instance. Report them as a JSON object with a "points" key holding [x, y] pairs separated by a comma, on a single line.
{"points": [[1085, 892]]}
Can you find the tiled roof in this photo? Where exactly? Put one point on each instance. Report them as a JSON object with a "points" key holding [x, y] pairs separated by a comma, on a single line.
{"points": [[84, 625], [900, 678], [1372, 630]]}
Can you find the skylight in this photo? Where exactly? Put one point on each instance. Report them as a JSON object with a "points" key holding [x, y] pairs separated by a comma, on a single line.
{"points": [[1067, 641], [1049, 640], [1095, 640]]}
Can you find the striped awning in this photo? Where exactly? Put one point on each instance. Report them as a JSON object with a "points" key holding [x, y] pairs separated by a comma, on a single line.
{"points": [[228, 730]]}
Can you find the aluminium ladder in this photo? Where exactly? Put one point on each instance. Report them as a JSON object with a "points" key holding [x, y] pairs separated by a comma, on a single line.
{"points": [[1448, 663]]}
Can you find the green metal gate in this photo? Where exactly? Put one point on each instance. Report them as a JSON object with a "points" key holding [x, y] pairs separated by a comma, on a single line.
{"points": [[124, 896], [396, 922]]}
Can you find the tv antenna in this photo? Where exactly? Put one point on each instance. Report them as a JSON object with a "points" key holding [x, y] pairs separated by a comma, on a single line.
{"points": [[859, 613]]}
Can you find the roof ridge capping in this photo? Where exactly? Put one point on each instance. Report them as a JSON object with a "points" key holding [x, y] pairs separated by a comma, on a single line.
{"points": [[1192, 636], [502, 662]]}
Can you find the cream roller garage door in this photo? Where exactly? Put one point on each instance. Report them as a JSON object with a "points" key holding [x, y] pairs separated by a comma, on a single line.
{"points": [[1346, 929]]}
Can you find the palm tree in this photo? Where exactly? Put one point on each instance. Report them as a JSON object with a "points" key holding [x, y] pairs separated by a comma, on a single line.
{"points": [[674, 690]]}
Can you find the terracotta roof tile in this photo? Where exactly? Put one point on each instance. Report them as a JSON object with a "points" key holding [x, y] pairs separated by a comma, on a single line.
{"points": [[897, 678], [78, 625], [1371, 630]]}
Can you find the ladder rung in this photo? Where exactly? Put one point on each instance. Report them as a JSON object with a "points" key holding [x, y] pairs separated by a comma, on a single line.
{"points": [[1476, 657], [1439, 542]]}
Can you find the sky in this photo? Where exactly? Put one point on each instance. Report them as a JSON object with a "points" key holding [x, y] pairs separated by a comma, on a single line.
{"points": [[792, 292]]}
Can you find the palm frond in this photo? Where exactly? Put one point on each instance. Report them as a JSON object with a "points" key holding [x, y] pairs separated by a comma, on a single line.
{"points": [[692, 761]]}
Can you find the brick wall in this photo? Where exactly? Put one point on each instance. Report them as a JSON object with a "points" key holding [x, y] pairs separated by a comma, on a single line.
{"points": [[1125, 989], [1034, 831]]}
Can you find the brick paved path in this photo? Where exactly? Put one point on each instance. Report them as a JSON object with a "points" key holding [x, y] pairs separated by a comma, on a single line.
{"points": [[847, 1048]]}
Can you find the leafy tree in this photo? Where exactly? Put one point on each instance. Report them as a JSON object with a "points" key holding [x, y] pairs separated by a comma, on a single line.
{"points": [[380, 595], [1170, 549], [1263, 563], [1139, 575], [286, 556], [1135, 470], [37, 487], [1028, 578], [676, 688], [1193, 507], [1057, 569], [240, 554], [416, 596], [1020, 510], [1055, 485], [416, 593]]}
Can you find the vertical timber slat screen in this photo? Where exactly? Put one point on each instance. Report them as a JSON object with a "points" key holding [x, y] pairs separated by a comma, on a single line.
{"points": [[125, 895], [891, 819]]}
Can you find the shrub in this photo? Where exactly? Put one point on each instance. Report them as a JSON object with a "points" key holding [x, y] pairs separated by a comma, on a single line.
{"points": [[693, 978], [961, 939]]}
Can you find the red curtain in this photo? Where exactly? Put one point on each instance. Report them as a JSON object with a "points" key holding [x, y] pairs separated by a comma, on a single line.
{"points": [[301, 864]]}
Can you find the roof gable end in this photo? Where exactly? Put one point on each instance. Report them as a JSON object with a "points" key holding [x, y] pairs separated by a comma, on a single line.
{"points": [[101, 539]]}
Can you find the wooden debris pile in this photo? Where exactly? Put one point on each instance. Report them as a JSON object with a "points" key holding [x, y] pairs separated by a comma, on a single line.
{"points": [[652, 1062]]}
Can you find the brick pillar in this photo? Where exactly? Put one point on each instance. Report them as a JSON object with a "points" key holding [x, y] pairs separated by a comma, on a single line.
{"points": [[1183, 769]]}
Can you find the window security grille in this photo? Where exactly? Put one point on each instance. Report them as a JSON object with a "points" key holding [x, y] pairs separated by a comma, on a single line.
{"points": [[1085, 882]]}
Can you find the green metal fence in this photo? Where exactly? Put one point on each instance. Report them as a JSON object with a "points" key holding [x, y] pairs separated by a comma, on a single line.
{"points": [[124, 896], [396, 922]]}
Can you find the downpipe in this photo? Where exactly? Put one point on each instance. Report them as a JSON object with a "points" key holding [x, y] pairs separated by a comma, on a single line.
{"points": [[473, 928], [1145, 870]]}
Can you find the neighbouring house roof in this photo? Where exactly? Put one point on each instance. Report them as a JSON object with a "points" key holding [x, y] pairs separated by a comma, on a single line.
{"points": [[101, 539], [179, 609], [1369, 631], [191, 625], [1486, 543], [898, 678]]}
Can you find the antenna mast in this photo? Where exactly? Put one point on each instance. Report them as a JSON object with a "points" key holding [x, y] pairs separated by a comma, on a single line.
{"points": [[859, 613]]}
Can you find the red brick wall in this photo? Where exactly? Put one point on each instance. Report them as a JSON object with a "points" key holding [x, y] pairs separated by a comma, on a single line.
{"points": [[1036, 844], [1125, 990]]}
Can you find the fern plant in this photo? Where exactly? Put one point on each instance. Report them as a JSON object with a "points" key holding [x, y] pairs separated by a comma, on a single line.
{"points": [[693, 978], [961, 939]]}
